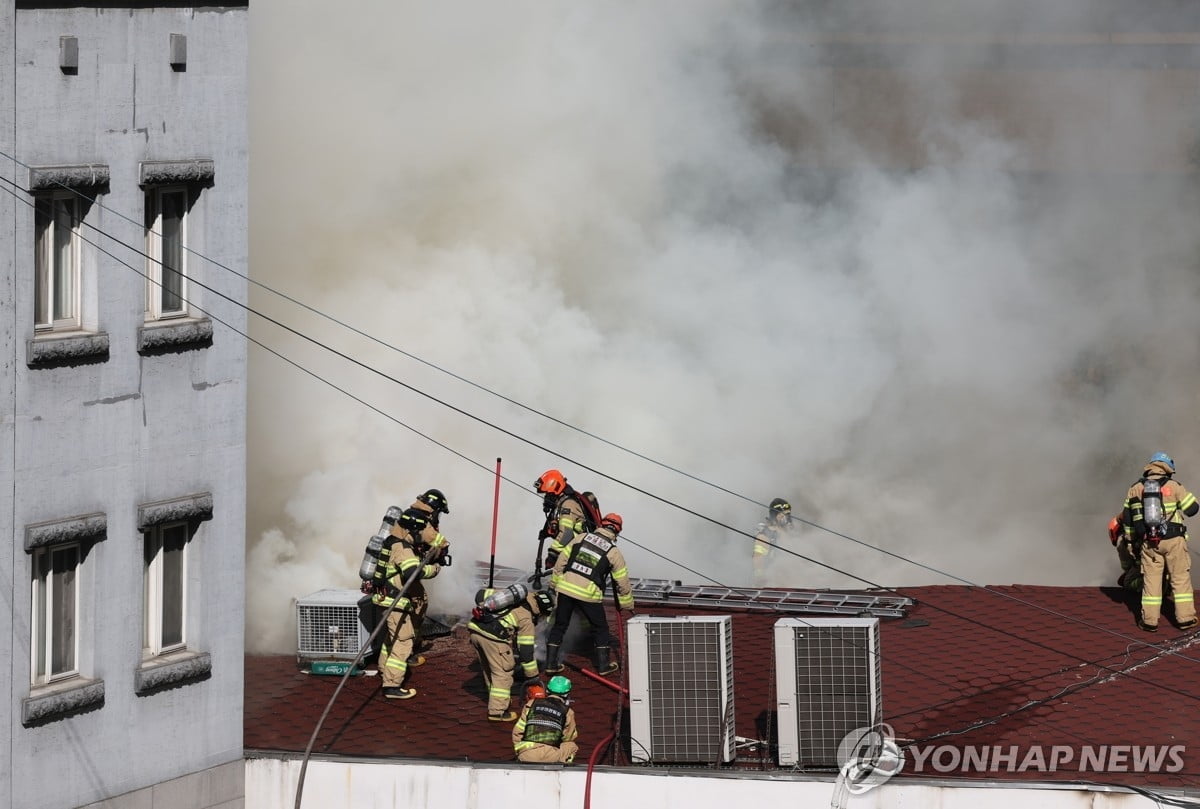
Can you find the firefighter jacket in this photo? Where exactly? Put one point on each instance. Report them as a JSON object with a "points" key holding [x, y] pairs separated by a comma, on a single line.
{"points": [[769, 533], [564, 519], [583, 569], [514, 626], [1177, 501], [401, 560], [548, 720]]}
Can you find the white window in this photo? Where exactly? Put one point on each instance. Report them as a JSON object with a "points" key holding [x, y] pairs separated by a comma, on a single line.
{"points": [[165, 588], [166, 245], [54, 650], [56, 261]]}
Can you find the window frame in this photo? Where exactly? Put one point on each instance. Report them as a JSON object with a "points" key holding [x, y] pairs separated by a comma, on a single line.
{"points": [[156, 291], [46, 276], [42, 625], [153, 589]]}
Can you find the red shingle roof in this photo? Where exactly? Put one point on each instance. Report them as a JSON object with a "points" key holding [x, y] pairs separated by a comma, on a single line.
{"points": [[1001, 666]]}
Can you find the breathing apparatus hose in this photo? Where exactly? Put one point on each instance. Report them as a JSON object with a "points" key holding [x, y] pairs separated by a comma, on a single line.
{"points": [[427, 559]]}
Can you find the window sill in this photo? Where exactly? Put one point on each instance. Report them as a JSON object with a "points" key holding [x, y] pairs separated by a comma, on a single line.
{"points": [[181, 334], [171, 669], [60, 699], [52, 349]]}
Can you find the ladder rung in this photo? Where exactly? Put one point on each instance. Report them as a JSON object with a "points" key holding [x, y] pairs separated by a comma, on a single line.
{"points": [[773, 599]]}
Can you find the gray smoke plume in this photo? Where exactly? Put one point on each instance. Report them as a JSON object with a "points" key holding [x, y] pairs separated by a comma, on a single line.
{"points": [[928, 289]]}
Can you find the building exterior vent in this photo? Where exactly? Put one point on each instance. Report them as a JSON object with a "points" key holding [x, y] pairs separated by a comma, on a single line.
{"points": [[828, 684], [681, 689], [333, 625]]}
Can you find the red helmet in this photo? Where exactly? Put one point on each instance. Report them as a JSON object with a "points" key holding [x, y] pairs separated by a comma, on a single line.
{"points": [[551, 482], [612, 521]]}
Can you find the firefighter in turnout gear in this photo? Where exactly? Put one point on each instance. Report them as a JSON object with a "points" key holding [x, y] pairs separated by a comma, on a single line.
{"points": [[1154, 510], [567, 513], [494, 633], [580, 578], [413, 536], [546, 731], [777, 525]]}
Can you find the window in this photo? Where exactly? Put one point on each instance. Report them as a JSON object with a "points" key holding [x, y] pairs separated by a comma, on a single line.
{"points": [[166, 241], [165, 588], [56, 261], [55, 613]]}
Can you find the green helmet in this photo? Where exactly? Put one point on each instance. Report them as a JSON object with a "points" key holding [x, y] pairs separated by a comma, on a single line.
{"points": [[559, 685]]}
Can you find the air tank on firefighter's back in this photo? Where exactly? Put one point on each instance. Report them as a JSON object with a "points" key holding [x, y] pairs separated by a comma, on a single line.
{"points": [[500, 600], [366, 571]]}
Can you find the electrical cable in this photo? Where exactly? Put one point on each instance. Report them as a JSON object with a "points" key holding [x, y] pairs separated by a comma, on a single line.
{"points": [[584, 466], [427, 559], [644, 492], [434, 441]]}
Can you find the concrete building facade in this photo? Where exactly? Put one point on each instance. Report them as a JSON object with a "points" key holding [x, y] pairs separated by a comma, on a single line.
{"points": [[123, 154]]}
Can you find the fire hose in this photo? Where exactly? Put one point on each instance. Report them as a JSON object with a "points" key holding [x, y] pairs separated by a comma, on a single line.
{"points": [[622, 693], [428, 558]]}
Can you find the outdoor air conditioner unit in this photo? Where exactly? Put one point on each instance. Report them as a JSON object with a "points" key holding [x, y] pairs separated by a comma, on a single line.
{"points": [[333, 625], [828, 684], [681, 689]]}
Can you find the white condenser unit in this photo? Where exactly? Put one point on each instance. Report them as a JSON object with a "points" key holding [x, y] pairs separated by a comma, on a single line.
{"points": [[681, 689], [828, 684], [333, 625]]}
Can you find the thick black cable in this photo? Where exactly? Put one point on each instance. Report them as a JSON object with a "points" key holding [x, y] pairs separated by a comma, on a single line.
{"points": [[665, 501], [425, 560], [460, 455], [447, 448], [627, 485]]}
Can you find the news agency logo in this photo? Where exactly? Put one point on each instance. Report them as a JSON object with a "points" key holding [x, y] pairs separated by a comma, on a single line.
{"points": [[868, 757], [1010, 758]]}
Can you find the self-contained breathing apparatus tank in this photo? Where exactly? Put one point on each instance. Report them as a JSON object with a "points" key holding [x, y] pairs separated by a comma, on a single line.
{"points": [[501, 600], [1153, 515], [366, 570]]}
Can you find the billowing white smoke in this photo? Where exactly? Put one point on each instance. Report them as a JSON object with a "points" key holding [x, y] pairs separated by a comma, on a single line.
{"points": [[596, 210]]}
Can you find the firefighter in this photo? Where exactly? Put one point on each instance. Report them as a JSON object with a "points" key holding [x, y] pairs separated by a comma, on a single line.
{"points": [[1153, 516], [546, 731], [580, 578], [494, 634], [567, 513], [413, 535], [777, 525]]}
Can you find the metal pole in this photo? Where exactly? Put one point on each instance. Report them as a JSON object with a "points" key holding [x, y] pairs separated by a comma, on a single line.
{"points": [[495, 520]]}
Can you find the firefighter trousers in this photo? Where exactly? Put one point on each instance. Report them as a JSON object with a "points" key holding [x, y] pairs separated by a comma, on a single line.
{"points": [[549, 754], [1171, 554], [593, 613], [397, 645], [497, 663]]}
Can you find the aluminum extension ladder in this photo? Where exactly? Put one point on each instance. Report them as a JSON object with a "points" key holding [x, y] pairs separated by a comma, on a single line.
{"points": [[665, 591]]}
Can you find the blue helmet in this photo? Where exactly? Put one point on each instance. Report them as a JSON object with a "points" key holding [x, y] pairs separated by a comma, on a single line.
{"points": [[1164, 458]]}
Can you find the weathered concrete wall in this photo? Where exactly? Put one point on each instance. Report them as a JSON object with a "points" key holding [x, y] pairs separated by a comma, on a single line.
{"points": [[108, 436], [8, 362]]}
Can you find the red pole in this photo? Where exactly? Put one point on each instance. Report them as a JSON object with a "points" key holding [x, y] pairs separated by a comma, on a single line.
{"points": [[495, 519]]}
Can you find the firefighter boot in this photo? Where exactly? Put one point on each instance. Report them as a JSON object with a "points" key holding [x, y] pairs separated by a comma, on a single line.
{"points": [[604, 664], [553, 658]]}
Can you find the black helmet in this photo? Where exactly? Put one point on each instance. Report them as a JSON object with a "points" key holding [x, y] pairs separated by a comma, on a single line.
{"points": [[780, 505], [435, 500]]}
